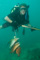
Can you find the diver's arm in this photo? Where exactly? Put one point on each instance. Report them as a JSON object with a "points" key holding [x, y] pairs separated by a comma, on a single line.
{"points": [[5, 25], [8, 19], [1, 27]]}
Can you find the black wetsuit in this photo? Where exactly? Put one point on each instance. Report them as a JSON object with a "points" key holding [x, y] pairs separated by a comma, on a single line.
{"points": [[17, 20]]}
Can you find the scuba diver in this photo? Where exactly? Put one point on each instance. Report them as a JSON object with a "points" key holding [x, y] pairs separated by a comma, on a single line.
{"points": [[18, 16]]}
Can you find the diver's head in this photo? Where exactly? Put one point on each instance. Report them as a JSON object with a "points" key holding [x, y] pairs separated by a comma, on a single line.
{"points": [[23, 9]]}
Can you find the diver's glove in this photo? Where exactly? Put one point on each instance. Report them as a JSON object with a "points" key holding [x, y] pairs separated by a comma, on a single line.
{"points": [[33, 29]]}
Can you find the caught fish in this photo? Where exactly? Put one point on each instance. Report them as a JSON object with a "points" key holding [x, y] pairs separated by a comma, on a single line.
{"points": [[15, 47], [18, 51], [13, 41]]}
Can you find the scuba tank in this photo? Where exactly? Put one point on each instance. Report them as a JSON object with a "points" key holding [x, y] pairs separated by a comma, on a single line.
{"points": [[15, 7]]}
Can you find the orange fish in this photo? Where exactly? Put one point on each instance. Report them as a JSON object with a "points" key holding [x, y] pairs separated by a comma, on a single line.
{"points": [[18, 51], [15, 47]]}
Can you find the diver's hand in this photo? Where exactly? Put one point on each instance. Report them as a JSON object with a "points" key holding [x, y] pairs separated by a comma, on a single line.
{"points": [[29, 25], [0, 26]]}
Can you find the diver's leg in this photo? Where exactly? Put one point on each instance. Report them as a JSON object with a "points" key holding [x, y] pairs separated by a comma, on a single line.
{"points": [[5, 25]]}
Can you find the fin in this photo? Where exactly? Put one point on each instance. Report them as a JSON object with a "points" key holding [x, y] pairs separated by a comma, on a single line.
{"points": [[17, 29], [23, 31], [28, 6], [32, 29], [18, 51]]}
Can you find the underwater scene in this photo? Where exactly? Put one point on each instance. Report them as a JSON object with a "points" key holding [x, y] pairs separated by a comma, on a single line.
{"points": [[19, 29]]}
